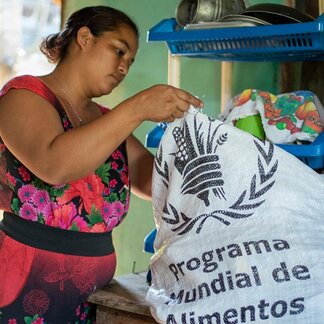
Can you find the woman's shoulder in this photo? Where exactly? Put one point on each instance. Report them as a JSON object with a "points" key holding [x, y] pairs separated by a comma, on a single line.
{"points": [[28, 82], [20, 81]]}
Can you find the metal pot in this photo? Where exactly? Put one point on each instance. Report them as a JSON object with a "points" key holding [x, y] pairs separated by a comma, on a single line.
{"points": [[194, 11]]}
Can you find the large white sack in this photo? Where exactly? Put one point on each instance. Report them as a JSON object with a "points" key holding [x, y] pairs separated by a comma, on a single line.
{"points": [[240, 229]]}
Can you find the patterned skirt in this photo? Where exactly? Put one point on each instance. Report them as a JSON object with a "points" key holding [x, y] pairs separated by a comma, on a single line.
{"points": [[41, 286]]}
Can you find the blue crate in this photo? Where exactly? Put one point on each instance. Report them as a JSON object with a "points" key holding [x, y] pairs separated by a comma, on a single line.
{"points": [[311, 154], [286, 42]]}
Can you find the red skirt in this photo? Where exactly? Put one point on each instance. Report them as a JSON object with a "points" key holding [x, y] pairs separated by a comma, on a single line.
{"points": [[40, 286]]}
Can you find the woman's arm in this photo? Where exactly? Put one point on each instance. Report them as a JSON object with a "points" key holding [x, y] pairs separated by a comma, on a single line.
{"points": [[31, 129], [140, 162]]}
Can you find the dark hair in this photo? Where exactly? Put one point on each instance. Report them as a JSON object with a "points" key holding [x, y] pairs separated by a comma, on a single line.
{"points": [[98, 19]]}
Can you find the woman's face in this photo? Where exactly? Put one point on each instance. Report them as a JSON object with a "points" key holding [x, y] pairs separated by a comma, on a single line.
{"points": [[109, 58]]}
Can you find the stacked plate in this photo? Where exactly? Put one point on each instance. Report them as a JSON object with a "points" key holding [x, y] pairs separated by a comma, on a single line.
{"points": [[258, 15], [228, 22], [277, 14]]}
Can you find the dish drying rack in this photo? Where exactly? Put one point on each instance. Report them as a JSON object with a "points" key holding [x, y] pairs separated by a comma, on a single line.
{"points": [[286, 42]]}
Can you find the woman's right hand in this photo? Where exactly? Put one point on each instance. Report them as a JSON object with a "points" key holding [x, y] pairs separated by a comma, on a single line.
{"points": [[163, 103]]}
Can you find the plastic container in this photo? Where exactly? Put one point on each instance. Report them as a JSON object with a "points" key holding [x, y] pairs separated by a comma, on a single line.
{"points": [[153, 138], [252, 125], [149, 241]]}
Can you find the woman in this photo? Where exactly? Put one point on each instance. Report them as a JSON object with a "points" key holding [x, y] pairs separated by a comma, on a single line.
{"points": [[66, 165]]}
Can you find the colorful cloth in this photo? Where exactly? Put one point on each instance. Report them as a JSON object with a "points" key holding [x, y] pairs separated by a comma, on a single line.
{"points": [[39, 286], [286, 117]]}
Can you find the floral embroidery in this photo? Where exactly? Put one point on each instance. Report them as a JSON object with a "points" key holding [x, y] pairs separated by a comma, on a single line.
{"points": [[87, 205], [12, 321], [62, 216], [24, 173], [95, 203], [26, 192], [36, 302], [88, 190], [11, 180], [28, 211]]}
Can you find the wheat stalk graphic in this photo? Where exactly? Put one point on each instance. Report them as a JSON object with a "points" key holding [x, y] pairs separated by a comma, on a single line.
{"points": [[200, 169]]}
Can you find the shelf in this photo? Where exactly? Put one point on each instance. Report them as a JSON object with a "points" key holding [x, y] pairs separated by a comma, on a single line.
{"points": [[288, 42]]}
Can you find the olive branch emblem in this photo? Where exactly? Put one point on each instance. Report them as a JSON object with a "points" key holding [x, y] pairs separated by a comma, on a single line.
{"points": [[205, 168]]}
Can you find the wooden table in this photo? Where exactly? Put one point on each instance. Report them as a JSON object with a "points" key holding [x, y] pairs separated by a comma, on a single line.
{"points": [[123, 301]]}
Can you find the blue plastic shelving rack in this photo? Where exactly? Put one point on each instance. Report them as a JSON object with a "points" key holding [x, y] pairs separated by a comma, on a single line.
{"points": [[286, 42]]}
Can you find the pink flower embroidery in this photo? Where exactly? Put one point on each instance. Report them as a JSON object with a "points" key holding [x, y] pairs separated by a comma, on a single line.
{"points": [[83, 316], [11, 180], [106, 210], [24, 173], [112, 213], [41, 199], [113, 183], [81, 224], [115, 209], [114, 165], [28, 211], [115, 155], [107, 191], [26, 192], [12, 321], [111, 223], [118, 209], [47, 210], [65, 123]]}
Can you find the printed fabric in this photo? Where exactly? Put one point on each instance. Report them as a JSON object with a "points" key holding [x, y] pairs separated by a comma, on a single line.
{"points": [[96, 203], [286, 118], [39, 286], [240, 227]]}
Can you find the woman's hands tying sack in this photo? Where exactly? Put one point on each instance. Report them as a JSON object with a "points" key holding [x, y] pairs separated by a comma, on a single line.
{"points": [[163, 103]]}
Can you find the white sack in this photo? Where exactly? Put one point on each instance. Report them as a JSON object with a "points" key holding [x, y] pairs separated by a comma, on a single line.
{"points": [[240, 229]]}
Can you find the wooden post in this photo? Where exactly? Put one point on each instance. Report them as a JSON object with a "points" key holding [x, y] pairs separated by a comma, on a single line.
{"points": [[226, 83], [174, 70], [321, 6]]}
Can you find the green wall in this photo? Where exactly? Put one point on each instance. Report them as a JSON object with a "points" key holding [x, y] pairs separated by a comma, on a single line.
{"points": [[199, 76]]}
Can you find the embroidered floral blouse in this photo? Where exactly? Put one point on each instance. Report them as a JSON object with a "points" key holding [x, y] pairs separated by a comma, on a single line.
{"points": [[95, 203]]}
